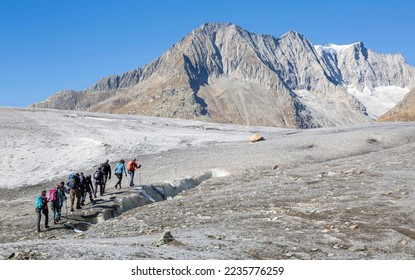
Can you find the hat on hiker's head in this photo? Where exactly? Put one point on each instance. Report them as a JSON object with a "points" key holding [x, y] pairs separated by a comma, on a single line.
{"points": [[134, 158], [107, 161], [62, 183]]}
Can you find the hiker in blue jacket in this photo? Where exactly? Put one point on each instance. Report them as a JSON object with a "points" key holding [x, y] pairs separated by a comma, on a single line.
{"points": [[119, 170]]}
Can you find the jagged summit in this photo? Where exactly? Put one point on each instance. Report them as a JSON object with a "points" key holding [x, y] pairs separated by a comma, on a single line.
{"points": [[221, 72], [211, 26], [292, 34]]}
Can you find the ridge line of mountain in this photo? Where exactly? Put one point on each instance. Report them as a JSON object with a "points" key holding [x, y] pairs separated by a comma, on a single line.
{"points": [[223, 73]]}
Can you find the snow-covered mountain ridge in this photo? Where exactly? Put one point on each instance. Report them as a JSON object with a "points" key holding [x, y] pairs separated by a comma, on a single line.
{"points": [[378, 89], [223, 73]]}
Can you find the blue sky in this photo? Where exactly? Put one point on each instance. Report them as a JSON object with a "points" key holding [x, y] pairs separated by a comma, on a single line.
{"points": [[50, 45]]}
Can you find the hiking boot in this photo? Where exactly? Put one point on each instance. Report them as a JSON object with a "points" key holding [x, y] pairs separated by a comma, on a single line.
{"points": [[72, 210]]}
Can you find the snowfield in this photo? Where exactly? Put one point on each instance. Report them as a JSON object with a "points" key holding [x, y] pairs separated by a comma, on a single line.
{"points": [[329, 193], [379, 100]]}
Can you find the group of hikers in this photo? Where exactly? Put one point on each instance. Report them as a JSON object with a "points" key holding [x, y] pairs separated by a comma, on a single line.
{"points": [[79, 186]]}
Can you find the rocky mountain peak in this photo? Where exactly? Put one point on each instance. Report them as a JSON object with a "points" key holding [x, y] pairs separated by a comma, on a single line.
{"points": [[293, 35], [211, 27]]}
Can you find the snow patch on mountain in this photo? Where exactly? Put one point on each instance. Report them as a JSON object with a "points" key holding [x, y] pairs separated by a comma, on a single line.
{"points": [[379, 100], [330, 48]]}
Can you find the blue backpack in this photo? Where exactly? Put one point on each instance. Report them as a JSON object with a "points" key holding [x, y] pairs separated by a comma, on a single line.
{"points": [[73, 181], [39, 202]]}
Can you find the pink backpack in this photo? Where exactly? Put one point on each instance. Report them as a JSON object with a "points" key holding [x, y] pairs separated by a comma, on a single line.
{"points": [[53, 195]]}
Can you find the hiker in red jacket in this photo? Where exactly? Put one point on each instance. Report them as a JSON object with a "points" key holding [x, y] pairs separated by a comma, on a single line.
{"points": [[132, 165]]}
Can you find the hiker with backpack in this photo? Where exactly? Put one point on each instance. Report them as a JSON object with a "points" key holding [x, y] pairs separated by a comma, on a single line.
{"points": [[99, 181], [132, 165], [119, 170], [82, 185], [74, 190], [62, 198], [106, 170], [42, 208], [55, 196], [89, 188]]}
